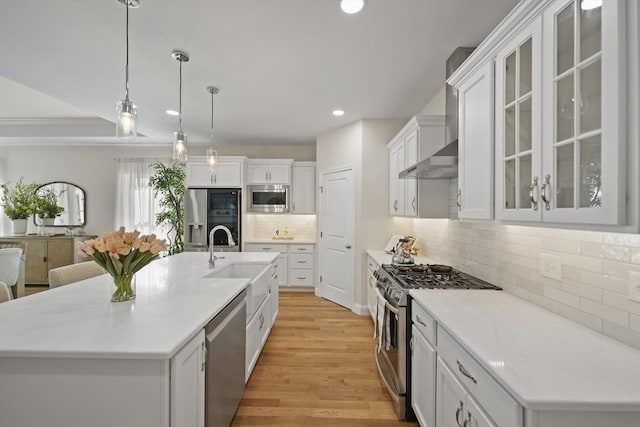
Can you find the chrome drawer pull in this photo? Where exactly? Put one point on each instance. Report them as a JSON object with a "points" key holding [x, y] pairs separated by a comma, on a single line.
{"points": [[467, 421], [301, 278], [458, 411], [301, 262], [464, 372], [422, 322]]}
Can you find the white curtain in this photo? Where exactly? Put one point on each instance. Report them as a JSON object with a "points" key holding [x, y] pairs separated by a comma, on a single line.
{"points": [[136, 207]]}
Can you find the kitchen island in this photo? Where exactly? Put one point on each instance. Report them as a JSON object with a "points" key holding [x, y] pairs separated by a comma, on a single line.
{"points": [[70, 357]]}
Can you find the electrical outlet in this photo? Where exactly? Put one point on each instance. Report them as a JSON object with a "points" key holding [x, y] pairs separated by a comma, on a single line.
{"points": [[634, 286], [551, 266]]}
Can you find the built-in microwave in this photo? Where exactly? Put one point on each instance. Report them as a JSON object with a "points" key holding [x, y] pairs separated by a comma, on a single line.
{"points": [[268, 198]]}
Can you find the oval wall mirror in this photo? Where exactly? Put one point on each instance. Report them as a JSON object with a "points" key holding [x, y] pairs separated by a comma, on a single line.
{"points": [[61, 204]]}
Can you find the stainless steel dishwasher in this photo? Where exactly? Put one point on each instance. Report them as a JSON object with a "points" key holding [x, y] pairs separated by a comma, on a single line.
{"points": [[226, 347]]}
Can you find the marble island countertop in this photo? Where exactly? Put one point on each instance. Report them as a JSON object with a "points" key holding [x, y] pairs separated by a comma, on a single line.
{"points": [[173, 302], [541, 359]]}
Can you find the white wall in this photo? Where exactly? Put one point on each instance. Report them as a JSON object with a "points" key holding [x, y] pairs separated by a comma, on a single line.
{"points": [[363, 145], [93, 169], [436, 105]]}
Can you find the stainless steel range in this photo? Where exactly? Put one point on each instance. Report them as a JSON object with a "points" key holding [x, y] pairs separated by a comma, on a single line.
{"points": [[392, 355]]}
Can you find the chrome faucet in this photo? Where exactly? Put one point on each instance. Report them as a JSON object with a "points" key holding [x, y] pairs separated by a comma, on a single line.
{"points": [[212, 257]]}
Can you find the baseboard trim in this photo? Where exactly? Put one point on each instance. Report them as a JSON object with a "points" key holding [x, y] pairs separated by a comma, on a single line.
{"points": [[362, 310]]}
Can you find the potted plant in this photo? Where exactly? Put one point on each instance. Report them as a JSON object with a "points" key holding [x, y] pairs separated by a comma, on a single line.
{"points": [[46, 205], [168, 183], [19, 204]]}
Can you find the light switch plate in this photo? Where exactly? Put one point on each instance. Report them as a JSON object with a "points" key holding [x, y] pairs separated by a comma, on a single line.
{"points": [[634, 286], [551, 266]]}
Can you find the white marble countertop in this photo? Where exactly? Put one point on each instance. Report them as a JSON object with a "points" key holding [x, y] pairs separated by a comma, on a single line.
{"points": [[381, 257], [543, 360], [294, 241], [173, 302]]}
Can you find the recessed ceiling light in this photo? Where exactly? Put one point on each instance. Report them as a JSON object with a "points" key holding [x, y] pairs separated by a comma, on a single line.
{"points": [[351, 6], [338, 113], [172, 112], [590, 4]]}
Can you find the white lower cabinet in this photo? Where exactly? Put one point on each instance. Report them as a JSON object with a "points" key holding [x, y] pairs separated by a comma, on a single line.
{"points": [[257, 332], [187, 384], [295, 264], [372, 300], [423, 371]]}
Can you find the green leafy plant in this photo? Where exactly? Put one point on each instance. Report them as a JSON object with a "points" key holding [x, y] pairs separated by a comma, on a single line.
{"points": [[20, 200], [168, 183], [46, 203]]}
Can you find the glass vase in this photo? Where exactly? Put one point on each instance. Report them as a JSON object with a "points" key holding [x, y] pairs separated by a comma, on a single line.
{"points": [[125, 288]]}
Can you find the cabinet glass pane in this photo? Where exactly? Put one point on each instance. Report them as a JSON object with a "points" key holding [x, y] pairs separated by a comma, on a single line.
{"points": [[564, 172], [590, 97], [525, 68], [525, 181], [510, 184], [524, 134], [510, 78], [564, 28], [510, 131], [590, 32], [564, 108], [590, 173]]}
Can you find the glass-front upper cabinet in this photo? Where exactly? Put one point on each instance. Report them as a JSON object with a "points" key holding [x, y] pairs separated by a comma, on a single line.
{"points": [[518, 129], [582, 140]]}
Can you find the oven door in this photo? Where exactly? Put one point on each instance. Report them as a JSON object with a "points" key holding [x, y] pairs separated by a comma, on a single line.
{"points": [[391, 356], [268, 198]]}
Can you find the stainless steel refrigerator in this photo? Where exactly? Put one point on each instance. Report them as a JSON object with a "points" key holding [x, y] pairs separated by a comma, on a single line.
{"points": [[205, 208]]}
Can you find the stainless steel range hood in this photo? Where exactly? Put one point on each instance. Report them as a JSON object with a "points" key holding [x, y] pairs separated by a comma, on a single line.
{"points": [[444, 163]]}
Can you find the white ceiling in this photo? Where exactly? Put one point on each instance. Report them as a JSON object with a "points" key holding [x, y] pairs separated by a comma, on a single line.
{"points": [[282, 65]]}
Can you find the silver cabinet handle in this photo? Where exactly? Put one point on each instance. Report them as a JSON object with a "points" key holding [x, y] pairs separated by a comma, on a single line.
{"points": [[294, 206], [204, 357], [422, 322], [347, 246], [467, 421], [301, 262], [413, 203], [534, 193], [411, 345], [266, 249], [302, 249], [459, 199], [458, 412], [301, 278], [543, 192], [466, 373], [395, 205]]}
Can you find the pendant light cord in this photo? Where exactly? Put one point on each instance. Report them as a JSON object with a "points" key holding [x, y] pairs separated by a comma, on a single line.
{"points": [[127, 64], [212, 120], [180, 98]]}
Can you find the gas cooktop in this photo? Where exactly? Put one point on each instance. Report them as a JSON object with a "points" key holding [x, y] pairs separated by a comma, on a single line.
{"points": [[420, 277]]}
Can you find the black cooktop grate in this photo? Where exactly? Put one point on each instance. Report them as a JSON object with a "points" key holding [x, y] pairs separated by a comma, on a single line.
{"points": [[415, 277]]}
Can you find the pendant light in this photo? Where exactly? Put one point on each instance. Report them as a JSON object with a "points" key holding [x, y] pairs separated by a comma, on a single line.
{"points": [[212, 153], [179, 137], [126, 125]]}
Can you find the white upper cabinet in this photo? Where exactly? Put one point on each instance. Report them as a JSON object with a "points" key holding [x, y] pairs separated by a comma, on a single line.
{"points": [[228, 172], [475, 144], [303, 188], [266, 171], [518, 126], [397, 162], [583, 143]]}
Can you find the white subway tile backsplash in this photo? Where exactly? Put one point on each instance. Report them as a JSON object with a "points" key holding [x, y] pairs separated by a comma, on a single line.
{"points": [[595, 268]]}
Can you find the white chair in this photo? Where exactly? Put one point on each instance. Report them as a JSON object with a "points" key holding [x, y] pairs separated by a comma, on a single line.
{"points": [[74, 273], [10, 262], [5, 293]]}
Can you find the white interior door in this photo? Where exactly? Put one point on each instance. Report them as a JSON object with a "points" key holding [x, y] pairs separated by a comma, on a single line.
{"points": [[337, 205]]}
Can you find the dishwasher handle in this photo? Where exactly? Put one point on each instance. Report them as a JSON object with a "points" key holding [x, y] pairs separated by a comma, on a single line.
{"points": [[215, 326]]}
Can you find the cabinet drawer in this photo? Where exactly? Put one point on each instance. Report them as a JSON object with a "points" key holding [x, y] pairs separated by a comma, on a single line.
{"points": [[259, 247], [423, 322], [301, 261], [372, 265], [300, 249], [500, 406], [300, 277]]}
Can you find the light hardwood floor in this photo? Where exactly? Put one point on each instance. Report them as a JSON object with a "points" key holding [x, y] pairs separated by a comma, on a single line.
{"points": [[317, 369]]}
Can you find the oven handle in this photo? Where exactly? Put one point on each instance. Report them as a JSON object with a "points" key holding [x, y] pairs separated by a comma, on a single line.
{"points": [[392, 390], [392, 308]]}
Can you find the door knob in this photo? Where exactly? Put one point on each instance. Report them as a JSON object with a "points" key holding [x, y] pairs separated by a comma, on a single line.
{"points": [[347, 246]]}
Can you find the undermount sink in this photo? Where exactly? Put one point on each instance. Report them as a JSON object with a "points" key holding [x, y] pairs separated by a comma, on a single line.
{"points": [[238, 270]]}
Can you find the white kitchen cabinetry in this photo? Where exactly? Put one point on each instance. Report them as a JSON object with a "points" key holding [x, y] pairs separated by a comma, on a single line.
{"points": [[295, 263], [266, 171], [423, 373], [303, 188], [475, 144], [187, 384], [228, 173], [421, 137], [372, 300], [257, 332]]}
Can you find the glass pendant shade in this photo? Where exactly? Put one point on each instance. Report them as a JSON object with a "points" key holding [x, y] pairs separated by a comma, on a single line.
{"points": [[127, 123], [180, 146], [212, 159]]}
